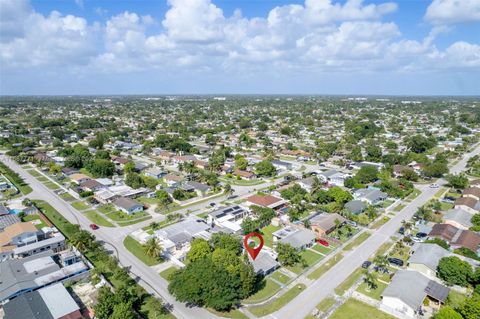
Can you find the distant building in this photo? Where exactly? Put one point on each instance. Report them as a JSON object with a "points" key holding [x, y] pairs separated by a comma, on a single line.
{"points": [[298, 238], [323, 224], [128, 205]]}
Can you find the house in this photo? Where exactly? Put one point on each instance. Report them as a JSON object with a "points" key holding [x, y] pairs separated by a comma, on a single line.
{"points": [[3, 210], [324, 223], [199, 188], [264, 264], [425, 258], [67, 171], [370, 195], [91, 185], [469, 204], [128, 205], [79, 178], [244, 174], [53, 302], [55, 243], [298, 238], [267, 201], [18, 234], [458, 217], [307, 183], [154, 172], [332, 177], [229, 217], [282, 165], [175, 239], [456, 237], [172, 179], [119, 162], [473, 192], [7, 220], [408, 289], [399, 170], [18, 276], [356, 206]]}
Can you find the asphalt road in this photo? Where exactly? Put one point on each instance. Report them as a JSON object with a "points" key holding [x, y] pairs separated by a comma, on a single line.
{"points": [[305, 302]]}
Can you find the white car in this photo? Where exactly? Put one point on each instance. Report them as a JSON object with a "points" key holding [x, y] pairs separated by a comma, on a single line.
{"points": [[434, 186]]}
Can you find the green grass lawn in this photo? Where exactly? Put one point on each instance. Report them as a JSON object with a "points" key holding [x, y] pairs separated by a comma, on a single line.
{"points": [[105, 209], [277, 303], [357, 309], [264, 293], [80, 205], [387, 203], [323, 306], [310, 257], [34, 173], [98, 219], [413, 195], [51, 185], [67, 197], [322, 249], [135, 221], [398, 207], [242, 182], [382, 221], [234, 314], [42, 179], [281, 277], [445, 206], [383, 249], [165, 274], [29, 218], [15, 179], [136, 249], [455, 299], [347, 283], [121, 216], [317, 273], [267, 232], [55, 217], [203, 215], [357, 241], [372, 293]]}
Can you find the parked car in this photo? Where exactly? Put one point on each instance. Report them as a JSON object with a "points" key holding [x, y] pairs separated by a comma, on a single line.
{"points": [[381, 269], [351, 223], [401, 231], [434, 185], [421, 235], [323, 242], [396, 261], [94, 226], [232, 196], [366, 264], [213, 204]]}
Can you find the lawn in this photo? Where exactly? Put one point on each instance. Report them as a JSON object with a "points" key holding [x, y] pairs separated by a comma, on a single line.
{"points": [[277, 303], [55, 217], [80, 205], [42, 179], [387, 203], [105, 209], [269, 289], [51, 185], [398, 208], [34, 173], [317, 273], [356, 309], [322, 249], [242, 182], [267, 232], [349, 282], [380, 222], [135, 221], [98, 219], [136, 249], [15, 179], [29, 218], [165, 274], [372, 293], [121, 216], [310, 257], [325, 304], [455, 299], [67, 197], [357, 241], [234, 314], [281, 277], [413, 195]]}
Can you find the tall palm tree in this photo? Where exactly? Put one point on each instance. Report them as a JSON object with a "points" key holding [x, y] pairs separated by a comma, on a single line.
{"points": [[316, 185], [152, 248], [371, 280], [381, 260], [228, 190]]}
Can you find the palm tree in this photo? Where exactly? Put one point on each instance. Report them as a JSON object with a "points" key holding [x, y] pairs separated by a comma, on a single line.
{"points": [[316, 185], [152, 248], [371, 280], [228, 190], [154, 225], [381, 260]]}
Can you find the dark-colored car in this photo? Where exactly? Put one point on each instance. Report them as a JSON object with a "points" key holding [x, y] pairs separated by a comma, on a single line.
{"points": [[401, 231], [366, 264], [421, 235], [381, 269], [396, 261], [93, 226]]}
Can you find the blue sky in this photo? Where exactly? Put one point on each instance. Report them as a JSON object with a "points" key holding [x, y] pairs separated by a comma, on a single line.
{"points": [[420, 47]]}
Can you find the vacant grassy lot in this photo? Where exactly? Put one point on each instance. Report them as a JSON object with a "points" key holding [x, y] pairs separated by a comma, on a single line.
{"points": [[98, 219], [356, 309], [310, 257], [266, 292], [372, 293], [357, 241], [135, 221], [80, 205], [317, 273], [267, 232], [347, 283], [136, 249], [277, 303]]}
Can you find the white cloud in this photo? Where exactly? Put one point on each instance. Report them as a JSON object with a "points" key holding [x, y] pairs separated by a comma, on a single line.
{"points": [[453, 11]]}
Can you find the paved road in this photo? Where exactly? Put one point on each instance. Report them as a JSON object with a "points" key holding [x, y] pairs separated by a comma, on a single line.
{"points": [[304, 303], [150, 280]]}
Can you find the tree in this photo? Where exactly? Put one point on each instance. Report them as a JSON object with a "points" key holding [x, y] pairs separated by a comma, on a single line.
{"points": [[470, 309], [241, 163], [367, 174], [435, 169], [457, 181], [134, 180], [454, 271], [163, 198], [152, 248], [447, 312], [339, 195], [420, 144], [371, 280], [287, 255], [249, 225], [226, 241], [265, 168], [200, 248], [105, 303], [101, 168], [123, 311], [440, 242], [227, 189], [381, 260], [129, 167]]}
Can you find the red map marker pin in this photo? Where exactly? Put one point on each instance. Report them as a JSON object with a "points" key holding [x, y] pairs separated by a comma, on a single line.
{"points": [[253, 251]]}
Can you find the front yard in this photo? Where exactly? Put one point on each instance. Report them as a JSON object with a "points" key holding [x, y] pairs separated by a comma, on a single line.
{"points": [[136, 249], [355, 309]]}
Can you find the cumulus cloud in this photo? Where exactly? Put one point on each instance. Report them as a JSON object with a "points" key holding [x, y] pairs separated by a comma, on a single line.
{"points": [[318, 36], [453, 11]]}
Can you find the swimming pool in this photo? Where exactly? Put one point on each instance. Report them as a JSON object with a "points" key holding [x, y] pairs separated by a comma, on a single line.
{"points": [[15, 211]]}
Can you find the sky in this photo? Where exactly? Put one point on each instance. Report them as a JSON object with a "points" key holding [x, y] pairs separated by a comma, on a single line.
{"points": [[354, 47]]}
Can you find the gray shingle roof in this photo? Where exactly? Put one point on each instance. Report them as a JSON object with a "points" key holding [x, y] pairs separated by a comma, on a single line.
{"points": [[409, 287], [263, 263], [7, 220], [299, 238], [29, 305], [428, 255], [356, 206], [460, 216]]}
